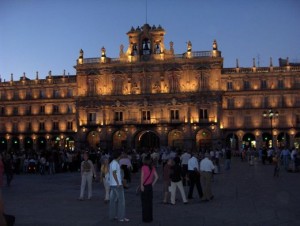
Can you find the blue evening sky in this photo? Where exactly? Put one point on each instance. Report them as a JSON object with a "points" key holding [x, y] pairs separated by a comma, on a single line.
{"points": [[43, 35]]}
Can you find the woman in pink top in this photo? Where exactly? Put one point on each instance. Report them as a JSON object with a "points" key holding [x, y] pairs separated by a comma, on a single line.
{"points": [[148, 179]]}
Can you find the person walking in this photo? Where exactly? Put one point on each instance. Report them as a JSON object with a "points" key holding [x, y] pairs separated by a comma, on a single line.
{"points": [[194, 176], [227, 159], [87, 174], [206, 171], [176, 181], [116, 195], [1, 172], [148, 179], [184, 164], [104, 178], [167, 180]]}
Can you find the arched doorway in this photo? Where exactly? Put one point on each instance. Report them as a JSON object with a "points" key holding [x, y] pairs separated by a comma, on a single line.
{"points": [[70, 143], [203, 140], [232, 141], [147, 139], [3, 144], [297, 141], [15, 144], [55, 142], [41, 143], [28, 143], [283, 140], [119, 139], [175, 139], [267, 140], [93, 139], [249, 141]]}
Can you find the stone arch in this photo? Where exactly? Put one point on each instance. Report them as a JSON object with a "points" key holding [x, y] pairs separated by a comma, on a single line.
{"points": [[147, 139], [249, 141], [93, 139], [204, 140], [175, 139], [119, 139]]}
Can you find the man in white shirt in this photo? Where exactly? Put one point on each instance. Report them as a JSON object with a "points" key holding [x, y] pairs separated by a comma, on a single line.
{"points": [[206, 170], [194, 176], [116, 198], [184, 158]]}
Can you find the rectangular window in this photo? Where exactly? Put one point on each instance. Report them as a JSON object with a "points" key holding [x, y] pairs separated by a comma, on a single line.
{"points": [[229, 86], [16, 95], [70, 110], [29, 127], [42, 109], [70, 126], [56, 93], [263, 84], [248, 103], [42, 126], [174, 114], [15, 111], [230, 121], [42, 94], [55, 109], [2, 110], [92, 117], [15, 127], [145, 115], [280, 84], [55, 126], [118, 116], [247, 121], [203, 114], [28, 110], [265, 102], [230, 103], [246, 85], [70, 93]]}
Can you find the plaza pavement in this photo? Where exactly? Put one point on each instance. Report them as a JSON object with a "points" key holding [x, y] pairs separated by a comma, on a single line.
{"points": [[244, 195]]}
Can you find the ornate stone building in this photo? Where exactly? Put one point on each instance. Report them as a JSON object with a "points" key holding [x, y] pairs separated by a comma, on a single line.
{"points": [[151, 97]]}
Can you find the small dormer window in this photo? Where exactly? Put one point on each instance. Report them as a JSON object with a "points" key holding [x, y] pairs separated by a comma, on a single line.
{"points": [[146, 47]]}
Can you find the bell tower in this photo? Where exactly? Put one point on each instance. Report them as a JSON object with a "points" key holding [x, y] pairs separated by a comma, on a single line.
{"points": [[145, 43]]}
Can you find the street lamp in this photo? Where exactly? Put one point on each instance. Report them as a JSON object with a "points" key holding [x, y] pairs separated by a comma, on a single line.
{"points": [[271, 115]]}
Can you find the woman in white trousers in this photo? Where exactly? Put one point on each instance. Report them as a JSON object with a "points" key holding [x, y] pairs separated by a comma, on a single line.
{"points": [[87, 174]]}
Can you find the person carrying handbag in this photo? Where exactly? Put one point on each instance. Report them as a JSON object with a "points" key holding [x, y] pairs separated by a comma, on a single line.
{"points": [[148, 179]]}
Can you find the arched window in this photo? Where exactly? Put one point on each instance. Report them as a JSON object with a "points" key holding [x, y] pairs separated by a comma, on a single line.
{"points": [[146, 46]]}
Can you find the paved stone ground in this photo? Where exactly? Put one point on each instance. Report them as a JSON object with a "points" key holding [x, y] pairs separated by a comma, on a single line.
{"points": [[244, 195]]}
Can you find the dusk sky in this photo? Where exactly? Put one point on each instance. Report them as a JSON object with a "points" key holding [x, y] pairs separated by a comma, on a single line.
{"points": [[43, 35]]}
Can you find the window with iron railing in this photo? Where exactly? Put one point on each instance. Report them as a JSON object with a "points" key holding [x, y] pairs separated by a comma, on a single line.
{"points": [[146, 116], [42, 126], [174, 115], [118, 116], [70, 126], [203, 114], [92, 117], [55, 126]]}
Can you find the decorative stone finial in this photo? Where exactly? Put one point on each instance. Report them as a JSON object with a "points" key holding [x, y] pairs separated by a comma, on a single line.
{"points": [[253, 62], [11, 77], [172, 47], [237, 63], [271, 62], [189, 46], [50, 73], [215, 45], [121, 49], [37, 75], [24, 75], [103, 52], [287, 62]]}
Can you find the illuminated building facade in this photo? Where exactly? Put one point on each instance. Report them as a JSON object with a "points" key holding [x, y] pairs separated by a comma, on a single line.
{"points": [[151, 97]]}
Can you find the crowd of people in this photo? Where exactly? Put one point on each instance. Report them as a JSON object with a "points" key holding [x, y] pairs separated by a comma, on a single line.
{"points": [[114, 169]]}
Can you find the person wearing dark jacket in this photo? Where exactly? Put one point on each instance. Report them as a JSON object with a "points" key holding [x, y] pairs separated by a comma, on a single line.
{"points": [[176, 181]]}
